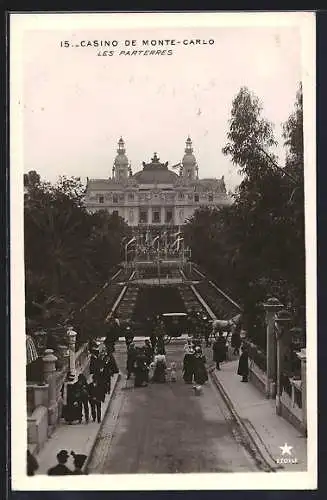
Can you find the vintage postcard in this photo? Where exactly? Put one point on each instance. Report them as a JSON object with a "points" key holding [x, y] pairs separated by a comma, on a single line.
{"points": [[163, 246]]}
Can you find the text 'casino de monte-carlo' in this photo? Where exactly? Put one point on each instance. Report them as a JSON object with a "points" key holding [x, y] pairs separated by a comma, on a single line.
{"points": [[155, 197]]}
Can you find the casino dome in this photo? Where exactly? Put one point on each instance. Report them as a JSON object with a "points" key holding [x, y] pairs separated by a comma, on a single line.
{"points": [[155, 172], [155, 176]]}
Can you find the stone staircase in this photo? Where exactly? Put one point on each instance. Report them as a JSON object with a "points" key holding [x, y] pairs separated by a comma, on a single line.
{"points": [[190, 301], [126, 307], [221, 307]]}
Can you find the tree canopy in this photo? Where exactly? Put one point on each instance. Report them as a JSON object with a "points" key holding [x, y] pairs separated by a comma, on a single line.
{"points": [[68, 251], [255, 247]]}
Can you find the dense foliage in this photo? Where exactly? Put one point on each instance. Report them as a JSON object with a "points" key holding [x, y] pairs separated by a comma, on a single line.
{"points": [[69, 252], [255, 247]]}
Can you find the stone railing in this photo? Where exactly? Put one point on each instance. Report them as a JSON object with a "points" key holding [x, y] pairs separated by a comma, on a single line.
{"points": [[44, 400], [291, 403], [257, 356], [257, 367], [270, 371]]}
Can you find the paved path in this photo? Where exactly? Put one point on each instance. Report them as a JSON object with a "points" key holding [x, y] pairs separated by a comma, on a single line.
{"points": [[79, 438], [259, 416], [166, 428]]}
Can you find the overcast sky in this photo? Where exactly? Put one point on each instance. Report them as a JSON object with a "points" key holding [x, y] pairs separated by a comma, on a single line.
{"points": [[77, 104]]}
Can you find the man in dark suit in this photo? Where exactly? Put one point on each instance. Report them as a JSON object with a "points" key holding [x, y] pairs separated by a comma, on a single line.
{"points": [[96, 397], [60, 469]]}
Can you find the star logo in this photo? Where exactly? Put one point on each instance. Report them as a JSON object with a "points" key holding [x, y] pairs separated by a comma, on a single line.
{"points": [[286, 449]]}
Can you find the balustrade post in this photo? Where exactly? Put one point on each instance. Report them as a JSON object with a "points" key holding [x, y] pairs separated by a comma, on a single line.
{"points": [[271, 307], [49, 370], [303, 358], [282, 322], [72, 356]]}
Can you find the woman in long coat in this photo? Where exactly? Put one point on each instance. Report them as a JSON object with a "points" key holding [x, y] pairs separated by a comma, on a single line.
{"points": [[141, 369], [131, 357], [160, 332], [188, 366], [243, 364], [219, 350], [72, 409], [200, 371]]}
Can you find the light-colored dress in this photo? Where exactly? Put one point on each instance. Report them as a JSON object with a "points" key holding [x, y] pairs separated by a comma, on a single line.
{"points": [[160, 365]]}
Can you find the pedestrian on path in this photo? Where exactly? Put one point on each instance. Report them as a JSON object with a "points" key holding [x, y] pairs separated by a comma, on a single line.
{"points": [[32, 464], [140, 369], [159, 333], [95, 361], [60, 469], [148, 351], [131, 356], [189, 345], [72, 410], [173, 373], [206, 330], [82, 396], [219, 350], [129, 336], [79, 461], [96, 398], [188, 366], [200, 371], [113, 334], [243, 364], [160, 366], [112, 364], [106, 375]]}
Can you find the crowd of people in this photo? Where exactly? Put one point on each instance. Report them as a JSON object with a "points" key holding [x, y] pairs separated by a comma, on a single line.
{"points": [[83, 398], [61, 468]]}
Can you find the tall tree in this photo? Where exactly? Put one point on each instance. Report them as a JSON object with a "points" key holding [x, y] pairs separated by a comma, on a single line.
{"points": [[66, 253], [250, 136]]}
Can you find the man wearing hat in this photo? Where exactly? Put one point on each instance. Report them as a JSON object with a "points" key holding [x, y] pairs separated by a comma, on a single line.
{"points": [[60, 469]]}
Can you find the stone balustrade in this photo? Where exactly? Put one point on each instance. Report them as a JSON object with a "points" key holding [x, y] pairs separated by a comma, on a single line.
{"points": [[44, 399], [289, 393]]}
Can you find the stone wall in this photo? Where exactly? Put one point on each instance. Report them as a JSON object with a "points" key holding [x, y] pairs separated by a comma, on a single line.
{"points": [[45, 401]]}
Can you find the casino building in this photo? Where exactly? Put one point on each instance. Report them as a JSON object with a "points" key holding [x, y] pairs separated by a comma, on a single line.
{"points": [[156, 197]]}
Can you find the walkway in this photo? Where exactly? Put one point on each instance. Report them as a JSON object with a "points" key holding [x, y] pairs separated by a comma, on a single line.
{"points": [[166, 428], [79, 438], [258, 414]]}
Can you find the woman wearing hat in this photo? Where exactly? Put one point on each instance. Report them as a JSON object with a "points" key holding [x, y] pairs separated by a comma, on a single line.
{"points": [[188, 365], [160, 365], [130, 362], [79, 461], [200, 371], [71, 407], [82, 396]]}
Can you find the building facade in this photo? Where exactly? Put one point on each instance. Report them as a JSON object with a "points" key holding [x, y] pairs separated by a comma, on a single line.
{"points": [[155, 196]]}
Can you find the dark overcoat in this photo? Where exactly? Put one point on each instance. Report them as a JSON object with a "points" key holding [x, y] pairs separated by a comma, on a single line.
{"points": [[188, 367], [219, 349], [243, 364], [200, 371]]}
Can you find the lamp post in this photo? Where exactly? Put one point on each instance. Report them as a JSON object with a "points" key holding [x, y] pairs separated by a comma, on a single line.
{"points": [[282, 322], [272, 306]]}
